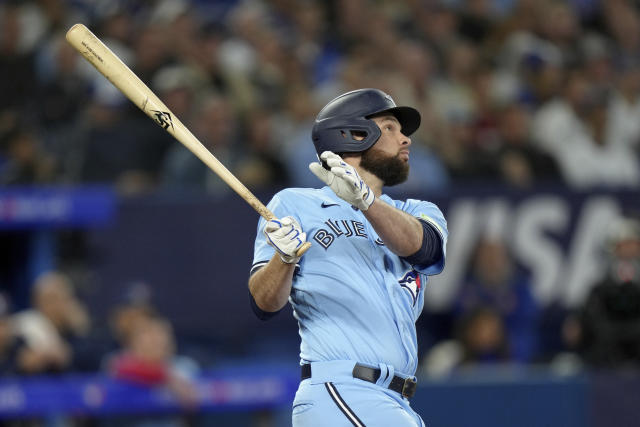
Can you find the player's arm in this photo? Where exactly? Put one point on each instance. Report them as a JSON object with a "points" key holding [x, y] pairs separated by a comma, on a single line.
{"points": [[270, 285], [415, 240], [401, 232]]}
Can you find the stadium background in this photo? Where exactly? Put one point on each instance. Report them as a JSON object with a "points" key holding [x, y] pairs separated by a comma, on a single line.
{"points": [[529, 143]]}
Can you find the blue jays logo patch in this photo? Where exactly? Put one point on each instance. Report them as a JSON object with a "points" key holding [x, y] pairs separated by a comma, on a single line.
{"points": [[411, 282]]}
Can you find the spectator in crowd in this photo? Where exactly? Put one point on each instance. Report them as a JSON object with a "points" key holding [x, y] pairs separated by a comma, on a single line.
{"points": [[63, 90], [149, 358], [576, 131], [136, 306], [116, 29], [452, 93], [606, 330], [215, 124], [261, 166], [26, 162], [437, 25], [597, 60], [622, 22], [624, 111], [477, 20], [511, 156], [177, 86], [483, 336], [119, 147], [418, 68], [50, 329], [10, 345], [150, 49], [33, 344], [480, 340], [16, 64], [494, 282]]}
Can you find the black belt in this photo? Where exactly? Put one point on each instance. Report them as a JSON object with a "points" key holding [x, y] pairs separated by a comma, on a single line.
{"points": [[406, 387]]}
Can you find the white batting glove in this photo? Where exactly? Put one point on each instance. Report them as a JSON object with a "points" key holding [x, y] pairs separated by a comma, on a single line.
{"points": [[343, 180], [286, 236]]}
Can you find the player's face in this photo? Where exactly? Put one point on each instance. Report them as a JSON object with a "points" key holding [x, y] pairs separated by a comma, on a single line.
{"points": [[388, 159], [392, 141]]}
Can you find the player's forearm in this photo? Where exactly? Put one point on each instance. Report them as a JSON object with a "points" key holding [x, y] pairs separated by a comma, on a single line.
{"points": [[401, 232], [271, 285]]}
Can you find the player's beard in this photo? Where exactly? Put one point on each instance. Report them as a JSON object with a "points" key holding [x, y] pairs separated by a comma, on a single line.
{"points": [[392, 170]]}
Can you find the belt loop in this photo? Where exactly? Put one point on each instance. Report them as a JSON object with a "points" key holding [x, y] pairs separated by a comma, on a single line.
{"points": [[386, 375]]}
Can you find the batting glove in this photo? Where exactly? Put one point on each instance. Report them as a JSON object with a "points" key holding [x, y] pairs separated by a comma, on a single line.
{"points": [[344, 180], [286, 236]]}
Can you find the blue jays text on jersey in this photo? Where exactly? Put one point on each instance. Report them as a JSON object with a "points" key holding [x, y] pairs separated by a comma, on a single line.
{"points": [[353, 298]]}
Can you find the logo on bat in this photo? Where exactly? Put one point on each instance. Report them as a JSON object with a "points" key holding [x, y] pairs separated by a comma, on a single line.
{"points": [[411, 282], [163, 118]]}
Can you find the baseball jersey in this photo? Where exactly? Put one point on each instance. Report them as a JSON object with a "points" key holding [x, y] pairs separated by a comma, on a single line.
{"points": [[353, 298]]}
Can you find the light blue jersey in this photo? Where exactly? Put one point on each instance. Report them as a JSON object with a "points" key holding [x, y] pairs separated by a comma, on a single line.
{"points": [[353, 298]]}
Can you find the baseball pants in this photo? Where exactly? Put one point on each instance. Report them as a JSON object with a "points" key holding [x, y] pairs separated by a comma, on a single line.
{"points": [[332, 397]]}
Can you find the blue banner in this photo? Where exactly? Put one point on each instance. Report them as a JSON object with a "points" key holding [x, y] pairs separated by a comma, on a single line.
{"points": [[34, 207], [101, 395]]}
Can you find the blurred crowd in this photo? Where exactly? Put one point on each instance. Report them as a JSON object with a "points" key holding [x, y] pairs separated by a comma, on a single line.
{"points": [[497, 321], [516, 91], [57, 335], [522, 93]]}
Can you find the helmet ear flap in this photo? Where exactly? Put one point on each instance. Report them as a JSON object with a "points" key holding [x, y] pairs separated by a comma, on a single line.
{"points": [[345, 135]]}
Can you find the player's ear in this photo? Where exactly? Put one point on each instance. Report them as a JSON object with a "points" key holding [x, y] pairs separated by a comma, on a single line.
{"points": [[358, 135]]}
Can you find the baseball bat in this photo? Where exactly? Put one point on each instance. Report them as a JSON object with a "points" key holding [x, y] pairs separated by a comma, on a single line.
{"points": [[121, 76]]}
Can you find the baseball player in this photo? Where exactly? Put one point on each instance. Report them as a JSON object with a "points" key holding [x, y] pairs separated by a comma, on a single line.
{"points": [[359, 289]]}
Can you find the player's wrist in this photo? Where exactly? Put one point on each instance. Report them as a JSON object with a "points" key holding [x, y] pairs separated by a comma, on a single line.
{"points": [[288, 259], [370, 203]]}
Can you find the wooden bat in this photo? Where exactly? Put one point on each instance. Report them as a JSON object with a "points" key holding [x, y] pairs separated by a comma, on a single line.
{"points": [[121, 76]]}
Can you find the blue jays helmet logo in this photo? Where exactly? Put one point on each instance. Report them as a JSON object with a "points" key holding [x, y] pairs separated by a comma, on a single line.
{"points": [[411, 282]]}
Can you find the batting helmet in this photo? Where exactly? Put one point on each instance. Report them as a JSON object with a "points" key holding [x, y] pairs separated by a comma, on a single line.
{"points": [[349, 112]]}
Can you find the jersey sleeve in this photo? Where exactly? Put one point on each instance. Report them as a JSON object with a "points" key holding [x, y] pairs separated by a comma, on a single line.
{"points": [[262, 251], [431, 214]]}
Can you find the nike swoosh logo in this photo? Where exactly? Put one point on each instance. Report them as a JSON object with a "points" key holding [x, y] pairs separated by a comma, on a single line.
{"points": [[326, 205]]}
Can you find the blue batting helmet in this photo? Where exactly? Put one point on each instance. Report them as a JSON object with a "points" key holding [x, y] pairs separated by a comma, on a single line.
{"points": [[349, 112]]}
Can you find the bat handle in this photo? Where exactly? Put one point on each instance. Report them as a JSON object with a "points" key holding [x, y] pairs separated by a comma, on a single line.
{"points": [[268, 215], [303, 248]]}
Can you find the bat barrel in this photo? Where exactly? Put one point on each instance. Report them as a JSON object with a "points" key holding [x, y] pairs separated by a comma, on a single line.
{"points": [[117, 72], [121, 76]]}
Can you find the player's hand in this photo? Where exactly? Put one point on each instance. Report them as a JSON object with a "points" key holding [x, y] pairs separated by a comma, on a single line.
{"points": [[344, 180], [286, 236]]}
